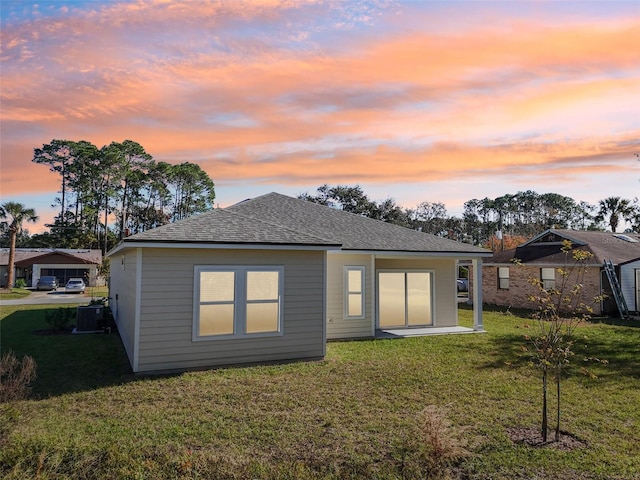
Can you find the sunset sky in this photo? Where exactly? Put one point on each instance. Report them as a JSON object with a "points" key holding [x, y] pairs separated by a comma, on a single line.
{"points": [[418, 101]]}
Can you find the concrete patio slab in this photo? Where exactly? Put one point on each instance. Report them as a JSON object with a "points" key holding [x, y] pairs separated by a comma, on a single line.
{"points": [[423, 332]]}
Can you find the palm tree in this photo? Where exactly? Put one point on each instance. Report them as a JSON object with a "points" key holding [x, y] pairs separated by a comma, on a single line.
{"points": [[16, 213], [615, 207]]}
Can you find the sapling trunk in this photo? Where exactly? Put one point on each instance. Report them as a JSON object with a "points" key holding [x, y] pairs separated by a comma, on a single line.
{"points": [[558, 407], [545, 422]]}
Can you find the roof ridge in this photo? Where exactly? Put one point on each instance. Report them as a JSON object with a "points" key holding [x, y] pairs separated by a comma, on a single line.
{"points": [[351, 230], [345, 212]]}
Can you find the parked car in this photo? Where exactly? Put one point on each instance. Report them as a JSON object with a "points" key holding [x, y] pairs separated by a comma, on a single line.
{"points": [[75, 285], [463, 285], [47, 283]]}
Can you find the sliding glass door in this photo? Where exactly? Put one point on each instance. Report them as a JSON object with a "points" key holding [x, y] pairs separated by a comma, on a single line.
{"points": [[405, 299]]}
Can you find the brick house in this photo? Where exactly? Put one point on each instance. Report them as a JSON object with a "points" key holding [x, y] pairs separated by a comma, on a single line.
{"points": [[506, 284]]}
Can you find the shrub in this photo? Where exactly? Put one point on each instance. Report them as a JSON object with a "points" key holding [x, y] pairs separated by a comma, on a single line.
{"points": [[21, 283], [58, 319], [99, 301], [16, 377]]}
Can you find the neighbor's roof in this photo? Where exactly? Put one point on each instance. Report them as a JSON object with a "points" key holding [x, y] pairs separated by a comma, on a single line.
{"points": [[277, 219], [545, 247], [30, 254]]}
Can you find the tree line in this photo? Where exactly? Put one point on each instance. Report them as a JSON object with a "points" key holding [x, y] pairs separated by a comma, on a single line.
{"points": [[498, 223], [118, 184], [122, 184]]}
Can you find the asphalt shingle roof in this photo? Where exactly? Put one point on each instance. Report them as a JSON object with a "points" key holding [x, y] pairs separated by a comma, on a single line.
{"points": [[607, 245], [29, 254], [222, 226], [279, 219], [353, 232], [603, 246]]}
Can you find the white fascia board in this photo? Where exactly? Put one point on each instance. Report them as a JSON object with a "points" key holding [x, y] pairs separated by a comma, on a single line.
{"points": [[393, 254], [536, 265], [629, 261], [219, 246]]}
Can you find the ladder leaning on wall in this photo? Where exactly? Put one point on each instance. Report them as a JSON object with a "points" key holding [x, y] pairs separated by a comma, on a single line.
{"points": [[617, 291]]}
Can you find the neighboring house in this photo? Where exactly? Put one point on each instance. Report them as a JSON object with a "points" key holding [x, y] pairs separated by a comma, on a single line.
{"points": [[63, 263], [506, 284], [272, 278]]}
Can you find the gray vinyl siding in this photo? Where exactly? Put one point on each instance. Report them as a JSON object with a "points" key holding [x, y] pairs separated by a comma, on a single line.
{"points": [[445, 308], [166, 310], [339, 327], [122, 293], [628, 284]]}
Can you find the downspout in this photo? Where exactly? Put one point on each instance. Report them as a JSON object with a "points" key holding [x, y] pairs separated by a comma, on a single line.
{"points": [[373, 299], [137, 312], [477, 294], [602, 291], [325, 319]]}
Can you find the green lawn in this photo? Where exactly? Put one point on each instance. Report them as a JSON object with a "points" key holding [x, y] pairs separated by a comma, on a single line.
{"points": [[14, 293], [354, 415], [97, 292]]}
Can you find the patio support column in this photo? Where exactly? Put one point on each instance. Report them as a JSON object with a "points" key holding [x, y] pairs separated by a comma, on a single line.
{"points": [[477, 294]]}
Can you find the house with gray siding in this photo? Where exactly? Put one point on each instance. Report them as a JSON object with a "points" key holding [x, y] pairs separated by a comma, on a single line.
{"points": [[629, 272], [272, 279]]}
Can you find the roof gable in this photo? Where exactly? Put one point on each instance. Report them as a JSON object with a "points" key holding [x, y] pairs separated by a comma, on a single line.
{"points": [[545, 247], [553, 237]]}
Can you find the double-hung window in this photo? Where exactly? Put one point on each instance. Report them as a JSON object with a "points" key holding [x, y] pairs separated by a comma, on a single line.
{"points": [[503, 278], [354, 292], [237, 301], [548, 278]]}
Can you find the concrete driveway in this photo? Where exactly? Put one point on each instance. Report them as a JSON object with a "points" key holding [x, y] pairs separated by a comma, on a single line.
{"points": [[43, 298]]}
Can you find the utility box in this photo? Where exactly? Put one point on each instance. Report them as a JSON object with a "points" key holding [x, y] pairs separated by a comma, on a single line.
{"points": [[89, 318]]}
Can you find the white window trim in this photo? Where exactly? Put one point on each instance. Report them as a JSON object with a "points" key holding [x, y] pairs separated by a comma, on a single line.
{"points": [[347, 291], [240, 302]]}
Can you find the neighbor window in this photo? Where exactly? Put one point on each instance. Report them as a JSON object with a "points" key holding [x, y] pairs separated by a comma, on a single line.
{"points": [[548, 278], [237, 301], [354, 292], [503, 278]]}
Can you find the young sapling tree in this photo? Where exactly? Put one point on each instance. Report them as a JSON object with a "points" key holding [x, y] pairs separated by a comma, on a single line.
{"points": [[562, 306]]}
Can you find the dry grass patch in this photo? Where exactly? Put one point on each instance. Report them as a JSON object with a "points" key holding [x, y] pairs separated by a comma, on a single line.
{"points": [[16, 377]]}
